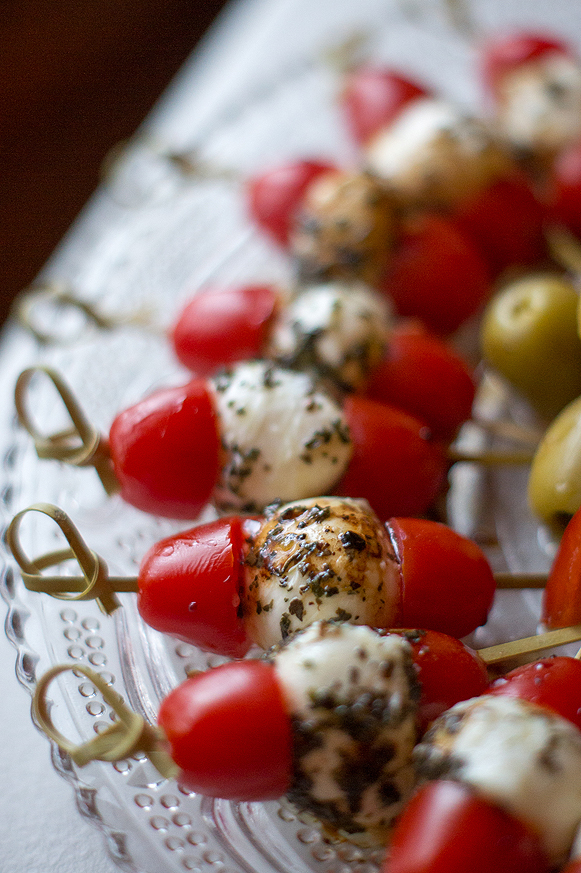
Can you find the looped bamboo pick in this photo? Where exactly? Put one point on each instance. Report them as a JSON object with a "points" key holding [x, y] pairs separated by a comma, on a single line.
{"points": [[128, 735], [80, 445], [95, 582]]}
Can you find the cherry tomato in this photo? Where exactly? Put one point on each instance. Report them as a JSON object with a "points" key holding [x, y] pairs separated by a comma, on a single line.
{"points": [[395, 465], [220, 326], [566, 189], [448, 828], [165, 451], [572, 867], [372, 98], [448, 672], [424, 376], [562, 594], [554, 683], [503, 54], [275, 195], [506, 222], [189, 587], [447, 582], [229, 732], [436, 274]]}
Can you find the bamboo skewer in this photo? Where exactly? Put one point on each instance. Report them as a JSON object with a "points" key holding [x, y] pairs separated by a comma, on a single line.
{"points": [[96, 584], [82, 445], [530, 645]]}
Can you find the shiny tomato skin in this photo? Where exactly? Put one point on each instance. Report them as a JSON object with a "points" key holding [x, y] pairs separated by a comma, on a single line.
{"points": [[448, 828], [506, 222], [229, 732], [395, 465], [221, 326], [448, 672], [447, 582], [275, 196], [554, 683], [503, 54], [565, 197], [425, 376], [562, 594], [165, 451], [372, 97], [436, 274], [189, 587]]}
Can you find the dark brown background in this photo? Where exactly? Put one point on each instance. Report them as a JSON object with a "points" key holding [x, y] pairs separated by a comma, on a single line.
{"points": [[75, 78]]}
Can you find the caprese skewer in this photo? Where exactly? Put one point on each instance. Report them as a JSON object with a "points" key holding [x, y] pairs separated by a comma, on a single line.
{"points": [[342, 706], [231, 583], [251, 435], [338, 703], [341, 331]]}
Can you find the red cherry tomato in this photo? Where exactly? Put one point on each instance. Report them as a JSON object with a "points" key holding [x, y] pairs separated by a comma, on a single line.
{"points": [[554, 683], [566, 189], [503, 54], [436, 274], [395, 465], [448, 828], [189, 587], [372, 98], [424, 376], [229, 732], [447, 582], [165, 451], [275, 196], [562, 594], [448, 672], [572, 867], [221, 326], [506, 222]]}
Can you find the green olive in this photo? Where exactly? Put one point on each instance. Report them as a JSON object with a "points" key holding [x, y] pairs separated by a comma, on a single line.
{"points": [[554, 488], [529, 336]]}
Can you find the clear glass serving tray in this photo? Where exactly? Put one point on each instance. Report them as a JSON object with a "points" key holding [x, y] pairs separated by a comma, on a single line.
{"points": [[150, 238]]}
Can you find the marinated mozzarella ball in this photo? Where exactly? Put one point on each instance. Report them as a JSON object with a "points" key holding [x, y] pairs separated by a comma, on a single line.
{"points": [[520, 756], [281, 437], [351, 693], [435, 154], [539, 105], [339, 329], [324, 558], [345, 228]]}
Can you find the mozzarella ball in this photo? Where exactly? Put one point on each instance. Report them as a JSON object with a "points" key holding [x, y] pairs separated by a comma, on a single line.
{"points": [[345, 228], [539, 105], [339, 329], [352, 696], [324, 558], [520, 756], [435, 154], [281, 437]]}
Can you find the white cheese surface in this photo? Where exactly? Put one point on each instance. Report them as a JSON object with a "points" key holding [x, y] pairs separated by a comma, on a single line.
{"points": [[540, 104], [520, 756], [281, 437], [435, 153], [339, 328], [322, 558], [351, 693]]}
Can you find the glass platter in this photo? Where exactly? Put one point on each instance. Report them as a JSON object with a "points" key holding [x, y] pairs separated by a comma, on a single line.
{"points": [[151, 237]]}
